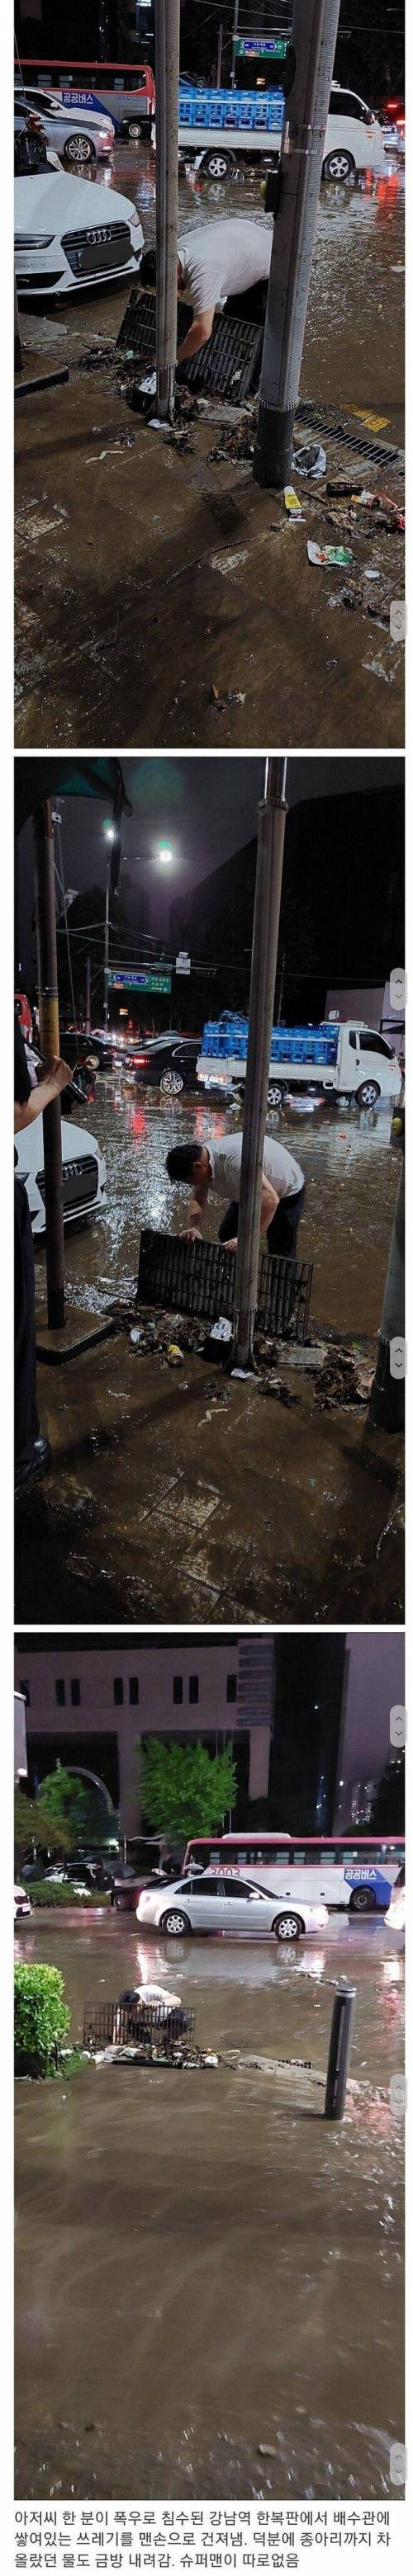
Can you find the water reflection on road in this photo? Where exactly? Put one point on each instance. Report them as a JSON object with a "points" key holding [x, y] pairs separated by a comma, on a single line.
{"points": [[203, 2267], [351, 1173]]}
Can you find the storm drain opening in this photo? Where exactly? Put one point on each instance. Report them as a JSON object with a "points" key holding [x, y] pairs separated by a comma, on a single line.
{"points": [[152, 2028], [324, 417], [229, 364], [199, 1279]]}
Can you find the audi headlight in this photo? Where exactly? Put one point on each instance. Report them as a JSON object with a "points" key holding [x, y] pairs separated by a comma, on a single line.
{"points": [[33, 241]]}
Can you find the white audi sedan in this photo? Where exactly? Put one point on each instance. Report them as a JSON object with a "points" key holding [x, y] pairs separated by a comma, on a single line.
{"points": [[207, 1904], [69, 235]]}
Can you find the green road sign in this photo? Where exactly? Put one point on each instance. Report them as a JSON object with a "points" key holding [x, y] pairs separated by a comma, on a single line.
{"points": [[274, 48], [133, 982]]}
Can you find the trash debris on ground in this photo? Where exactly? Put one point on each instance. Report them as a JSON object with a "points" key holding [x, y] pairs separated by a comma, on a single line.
{"points": [[222, 698], [310, 460], [174, 1355], [292, 503], [328, 554], [236, 443], [276, 1386], [342, 1381]]}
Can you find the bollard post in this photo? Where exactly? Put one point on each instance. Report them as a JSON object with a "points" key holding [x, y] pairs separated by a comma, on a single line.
{"points": [[313, 42], [341, 2036]]}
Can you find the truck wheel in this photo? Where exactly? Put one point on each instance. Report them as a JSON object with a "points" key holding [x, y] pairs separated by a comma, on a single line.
{"points": [[217, 165], [135, 130], [274, 1095], [339, 165], [367, 1095]]}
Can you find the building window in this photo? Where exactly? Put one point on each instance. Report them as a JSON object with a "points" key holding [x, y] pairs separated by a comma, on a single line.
{"points": [[178, 1690], [25, 1688], [231, 1688], [193, 1689], [134, 1691], [60, 1689], [118, 1691], [75, 1694]]}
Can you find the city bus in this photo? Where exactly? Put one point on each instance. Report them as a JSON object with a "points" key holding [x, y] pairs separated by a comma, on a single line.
{"points": [[125, 91], [357, 1871]]}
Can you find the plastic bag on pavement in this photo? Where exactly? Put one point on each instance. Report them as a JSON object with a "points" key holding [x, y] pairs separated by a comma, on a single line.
{"points": [[310, 459], [328, 554]]}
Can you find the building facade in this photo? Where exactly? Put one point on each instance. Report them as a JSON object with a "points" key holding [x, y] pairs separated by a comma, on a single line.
{"points": [[93, 1706]]}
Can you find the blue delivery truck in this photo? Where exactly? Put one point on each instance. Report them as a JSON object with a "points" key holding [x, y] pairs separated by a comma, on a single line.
{"points": [[343, 1058]]}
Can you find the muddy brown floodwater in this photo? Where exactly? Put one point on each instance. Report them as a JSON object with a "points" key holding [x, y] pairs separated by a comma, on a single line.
{"points": [[351, 1172], [202, 2265]]}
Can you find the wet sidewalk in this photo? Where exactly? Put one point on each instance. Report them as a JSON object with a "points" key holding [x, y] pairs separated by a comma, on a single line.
{"points": [[123, 539], [186, 1495]]}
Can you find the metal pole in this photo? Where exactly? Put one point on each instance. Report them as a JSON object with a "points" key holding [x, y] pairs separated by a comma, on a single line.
{"points": [[271, 829], [313, 43], [387, 1406], [219, 55], [45, 913], [341, 2037], [281, 991], [234, 34], [106, 954], [87, 1013], [166, 114]]}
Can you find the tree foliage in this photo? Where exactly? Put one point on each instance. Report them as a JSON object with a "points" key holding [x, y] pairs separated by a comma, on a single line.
{"points": [[31, 1826], [41, 2015], [71, 1809], [185, 1789]]}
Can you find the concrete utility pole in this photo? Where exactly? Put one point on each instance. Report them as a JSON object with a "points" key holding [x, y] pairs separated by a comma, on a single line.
{"points": [[387, 1405], [87, 1013], [219, 55], [234, 34], [45, 914], [106, 953], [271, 829], [167, 108], [313, 43]]}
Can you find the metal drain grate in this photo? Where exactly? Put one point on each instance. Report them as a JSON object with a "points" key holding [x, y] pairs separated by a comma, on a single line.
{"points": [[138, 329], [150, 2025], [229, 364], [322, 416], [199, 1279]]}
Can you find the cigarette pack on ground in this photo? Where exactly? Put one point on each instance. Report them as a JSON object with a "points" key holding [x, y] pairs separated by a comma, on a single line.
{"points": [[328, 554]]}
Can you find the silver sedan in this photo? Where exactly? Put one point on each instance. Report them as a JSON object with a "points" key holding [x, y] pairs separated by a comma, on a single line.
{"points": [[208, 1904]]}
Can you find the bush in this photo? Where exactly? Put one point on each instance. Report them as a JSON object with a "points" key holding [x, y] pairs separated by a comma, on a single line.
{"points": [[43, 1892], [41, 2016]]}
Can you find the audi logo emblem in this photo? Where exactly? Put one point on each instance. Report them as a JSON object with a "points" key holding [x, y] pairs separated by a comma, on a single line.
{"points": [[99, 234]]}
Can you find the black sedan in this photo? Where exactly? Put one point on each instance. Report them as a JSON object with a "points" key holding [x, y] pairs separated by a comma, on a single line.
{"points": [[169, 1064]]}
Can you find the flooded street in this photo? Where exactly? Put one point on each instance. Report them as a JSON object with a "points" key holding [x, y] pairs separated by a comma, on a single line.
{"points": [[351, 1172], [202, 2265], [358, 264]]}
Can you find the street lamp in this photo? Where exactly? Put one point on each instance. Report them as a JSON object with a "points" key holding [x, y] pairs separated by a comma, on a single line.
{"points": [[165, 854]]}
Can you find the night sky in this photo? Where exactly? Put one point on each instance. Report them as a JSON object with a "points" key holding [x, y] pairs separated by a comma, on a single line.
{"points": [[205, 808]]}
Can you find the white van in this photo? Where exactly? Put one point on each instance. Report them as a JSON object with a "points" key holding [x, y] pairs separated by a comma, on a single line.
{"points": [[84, 1172], [219, 129], [354, 138]]}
